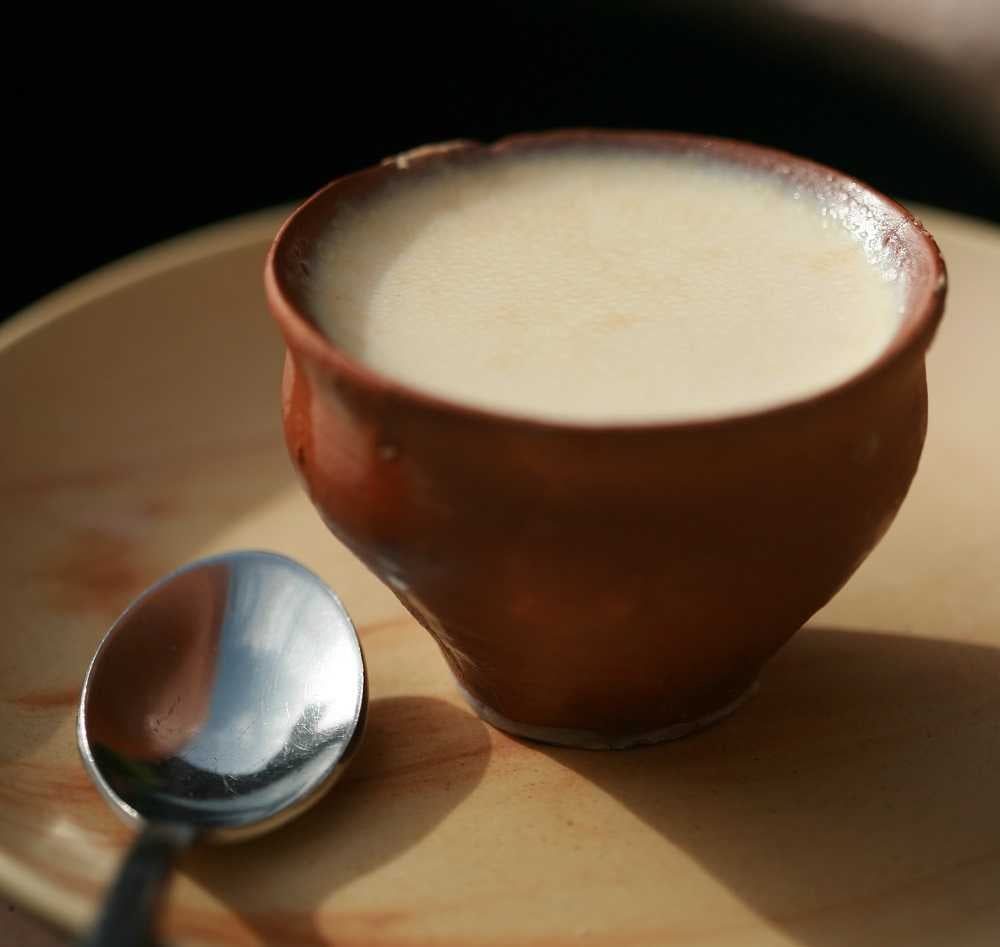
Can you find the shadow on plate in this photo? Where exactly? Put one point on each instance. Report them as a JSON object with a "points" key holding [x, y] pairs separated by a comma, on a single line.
{"points": [[852, 801]]}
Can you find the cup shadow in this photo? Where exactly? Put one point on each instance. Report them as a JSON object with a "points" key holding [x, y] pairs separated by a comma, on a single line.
{"points": [[852, 801], [420, 757]]}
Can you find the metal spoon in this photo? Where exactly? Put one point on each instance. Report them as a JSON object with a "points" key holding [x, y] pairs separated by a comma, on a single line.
{"points": [[222, 703]]}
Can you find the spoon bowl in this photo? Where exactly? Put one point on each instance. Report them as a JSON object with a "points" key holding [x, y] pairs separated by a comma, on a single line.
{"points": [[223, 702]]}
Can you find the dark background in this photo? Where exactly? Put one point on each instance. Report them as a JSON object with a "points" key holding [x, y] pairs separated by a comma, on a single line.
{"points": [[158, 129]]}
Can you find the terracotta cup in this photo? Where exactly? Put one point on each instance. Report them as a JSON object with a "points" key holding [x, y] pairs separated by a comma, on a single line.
{"points": [[609, 584]]}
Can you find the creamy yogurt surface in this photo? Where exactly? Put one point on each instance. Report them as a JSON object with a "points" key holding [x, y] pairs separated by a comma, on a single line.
{"points": [[600, 286]]}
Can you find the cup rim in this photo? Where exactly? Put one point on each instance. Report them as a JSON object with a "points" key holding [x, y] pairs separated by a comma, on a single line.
{"points": [[922, 313]]}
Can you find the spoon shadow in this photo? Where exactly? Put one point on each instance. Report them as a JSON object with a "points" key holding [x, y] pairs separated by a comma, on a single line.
{"points": [[420, 757]]}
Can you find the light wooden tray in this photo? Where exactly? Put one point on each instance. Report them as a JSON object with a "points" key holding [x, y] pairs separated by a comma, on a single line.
{"points": [[855, 800]]}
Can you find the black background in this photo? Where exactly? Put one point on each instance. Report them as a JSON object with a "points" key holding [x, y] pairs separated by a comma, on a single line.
{"points": [[160, 127]]}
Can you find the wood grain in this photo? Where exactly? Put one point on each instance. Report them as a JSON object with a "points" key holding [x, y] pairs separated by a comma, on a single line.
{"points": [[851, 801]]}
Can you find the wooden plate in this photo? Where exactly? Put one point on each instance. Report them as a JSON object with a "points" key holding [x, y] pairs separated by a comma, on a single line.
{"points": [[855, 800]]}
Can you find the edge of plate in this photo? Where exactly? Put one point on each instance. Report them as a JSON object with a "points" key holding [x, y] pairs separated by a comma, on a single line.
{"points": [[149, 261]]}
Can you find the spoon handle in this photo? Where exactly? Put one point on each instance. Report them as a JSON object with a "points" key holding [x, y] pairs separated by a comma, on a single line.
{"points": [[131, 904]]}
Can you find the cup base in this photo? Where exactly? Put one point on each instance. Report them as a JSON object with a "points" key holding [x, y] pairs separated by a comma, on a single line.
{"points": [[595, 740]]}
